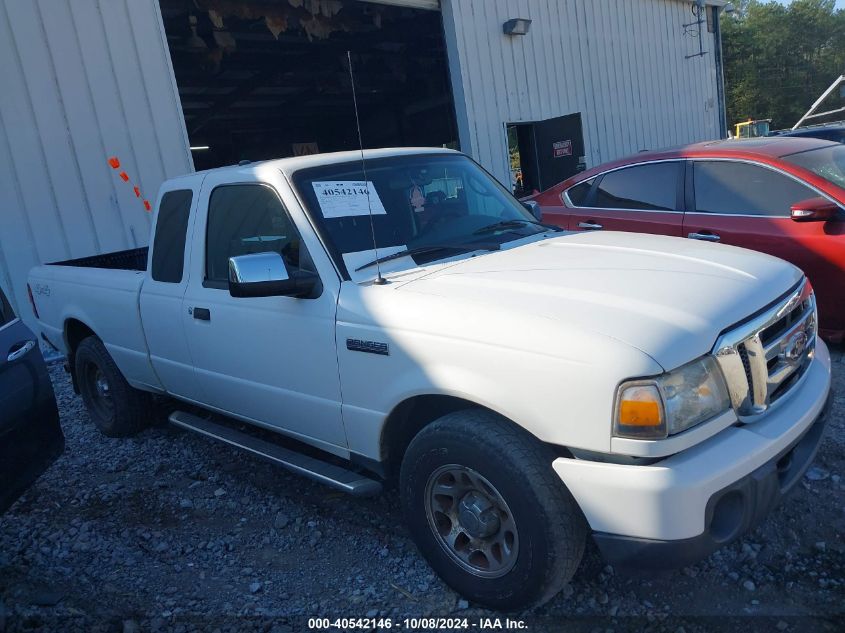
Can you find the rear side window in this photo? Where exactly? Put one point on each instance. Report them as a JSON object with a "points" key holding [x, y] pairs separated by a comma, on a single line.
{"points": [[171, 233], [578, 194], [7, 315], [729, 187], [246, 219], [646, 187]]}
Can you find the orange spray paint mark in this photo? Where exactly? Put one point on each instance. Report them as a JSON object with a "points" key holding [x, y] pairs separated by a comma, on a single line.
{"points": [[114, 163]]}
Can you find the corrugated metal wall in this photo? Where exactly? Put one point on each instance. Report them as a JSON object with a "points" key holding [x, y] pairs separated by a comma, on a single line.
{"points": [[621, 63], [81, 80]]}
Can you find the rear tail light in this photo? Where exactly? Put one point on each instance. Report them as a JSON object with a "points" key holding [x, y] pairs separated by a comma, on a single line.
{"points": [[32, 301]]}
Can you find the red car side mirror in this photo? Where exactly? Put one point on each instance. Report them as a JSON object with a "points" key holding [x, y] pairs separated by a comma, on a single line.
{"points": [[814, 210]]}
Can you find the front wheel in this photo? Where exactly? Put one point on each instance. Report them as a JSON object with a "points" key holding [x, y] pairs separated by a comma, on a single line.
{"points": [[486, 509], [116, 409]]}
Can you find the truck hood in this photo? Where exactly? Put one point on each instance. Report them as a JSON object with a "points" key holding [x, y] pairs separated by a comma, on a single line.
{"points": [[668, 297]]}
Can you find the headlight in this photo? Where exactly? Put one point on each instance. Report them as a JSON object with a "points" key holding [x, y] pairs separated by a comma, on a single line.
{"points": [[654, 408]]}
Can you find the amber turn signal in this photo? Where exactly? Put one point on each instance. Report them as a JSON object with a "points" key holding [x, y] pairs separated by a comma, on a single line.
{"points": [[640, 412]]}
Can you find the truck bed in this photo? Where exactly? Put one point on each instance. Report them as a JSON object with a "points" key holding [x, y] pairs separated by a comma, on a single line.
{"points": [[102, 292], [132, 259]]}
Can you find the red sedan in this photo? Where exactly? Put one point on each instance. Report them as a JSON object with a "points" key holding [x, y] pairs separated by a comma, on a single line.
{"points": [[783, 196]]}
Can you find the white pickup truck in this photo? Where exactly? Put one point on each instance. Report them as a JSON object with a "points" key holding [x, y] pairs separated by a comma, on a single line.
{"points": [[525, 386]]}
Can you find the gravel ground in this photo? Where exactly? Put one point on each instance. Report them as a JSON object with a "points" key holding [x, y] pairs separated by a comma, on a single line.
{"points": [[170, 531]]}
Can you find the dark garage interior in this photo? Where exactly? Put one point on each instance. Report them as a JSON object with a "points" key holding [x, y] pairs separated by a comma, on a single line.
{"points": [[270, 78]]}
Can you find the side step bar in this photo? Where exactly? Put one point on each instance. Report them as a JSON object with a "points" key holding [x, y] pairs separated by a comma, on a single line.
{"points": [[324, 472]]}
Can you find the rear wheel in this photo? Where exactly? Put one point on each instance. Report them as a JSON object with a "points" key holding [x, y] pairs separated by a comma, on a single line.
{"points": [[486, 509], [116, 409]]}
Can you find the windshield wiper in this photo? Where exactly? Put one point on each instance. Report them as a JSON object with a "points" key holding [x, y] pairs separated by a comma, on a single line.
{"points": [[433, 248], [512, 224]]}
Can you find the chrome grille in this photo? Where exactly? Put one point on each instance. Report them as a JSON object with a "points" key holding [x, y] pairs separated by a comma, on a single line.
{"points": [[764, 358], [746, 364]]}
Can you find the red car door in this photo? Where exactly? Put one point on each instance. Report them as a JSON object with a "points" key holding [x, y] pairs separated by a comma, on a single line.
{"points": [[748, 205], [644, 198]]}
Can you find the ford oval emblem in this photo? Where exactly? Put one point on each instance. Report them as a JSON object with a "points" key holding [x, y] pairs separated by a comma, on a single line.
{"points": [[795, 346]]}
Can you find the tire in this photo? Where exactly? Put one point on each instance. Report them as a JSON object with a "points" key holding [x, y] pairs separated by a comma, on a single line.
{"points": [[116, 409], [540, 532]]}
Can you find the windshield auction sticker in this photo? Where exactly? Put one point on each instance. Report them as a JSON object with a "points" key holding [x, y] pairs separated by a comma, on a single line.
{"points": [[347, 198]]}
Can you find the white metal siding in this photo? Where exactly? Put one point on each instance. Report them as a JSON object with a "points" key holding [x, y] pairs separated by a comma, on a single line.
{"points": [[620, 63], [81, 80]]}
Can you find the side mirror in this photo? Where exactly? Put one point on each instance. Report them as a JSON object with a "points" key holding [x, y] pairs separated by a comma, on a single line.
{"points": [[814, 210], [534, 208], [265, 275]]}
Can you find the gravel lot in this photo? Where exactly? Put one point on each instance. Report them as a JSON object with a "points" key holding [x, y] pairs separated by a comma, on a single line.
{"points": [[170, 531]]}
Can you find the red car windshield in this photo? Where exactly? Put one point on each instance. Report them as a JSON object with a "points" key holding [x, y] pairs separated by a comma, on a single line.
{"points": [[827, 162]]}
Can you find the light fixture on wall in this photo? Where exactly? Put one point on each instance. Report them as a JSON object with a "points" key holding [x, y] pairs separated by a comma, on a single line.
{"points": [[516, 26]]}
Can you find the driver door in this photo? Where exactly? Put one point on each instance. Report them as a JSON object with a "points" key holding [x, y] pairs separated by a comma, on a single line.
{"points": [[748, 205], [271, 360]]}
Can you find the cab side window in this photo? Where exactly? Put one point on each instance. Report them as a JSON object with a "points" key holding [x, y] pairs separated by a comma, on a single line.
{"points": [[247, 219], [729, 187], [7, 315], [174, 211]]}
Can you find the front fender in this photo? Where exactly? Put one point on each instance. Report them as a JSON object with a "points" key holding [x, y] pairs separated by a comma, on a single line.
{"points": [[564, 401]]}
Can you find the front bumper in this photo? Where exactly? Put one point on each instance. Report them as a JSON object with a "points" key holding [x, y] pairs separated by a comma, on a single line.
{"points": [[730, 513], [679, 509]]}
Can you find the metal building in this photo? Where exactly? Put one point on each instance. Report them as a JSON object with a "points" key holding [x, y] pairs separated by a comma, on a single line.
{"points": [[555, 84]]}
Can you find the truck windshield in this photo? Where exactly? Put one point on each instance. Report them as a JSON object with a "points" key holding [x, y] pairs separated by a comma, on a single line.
{"points": [[417, 201], [827, 162]]}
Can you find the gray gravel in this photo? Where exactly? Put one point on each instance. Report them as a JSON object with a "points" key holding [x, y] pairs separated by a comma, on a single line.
{"points": [[170, 531]]}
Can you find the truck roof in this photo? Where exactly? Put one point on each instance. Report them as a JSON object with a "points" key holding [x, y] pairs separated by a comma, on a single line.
{"points": [[295, 163]]}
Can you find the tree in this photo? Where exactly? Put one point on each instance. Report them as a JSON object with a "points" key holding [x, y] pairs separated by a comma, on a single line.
{"points": [[779, 59]]}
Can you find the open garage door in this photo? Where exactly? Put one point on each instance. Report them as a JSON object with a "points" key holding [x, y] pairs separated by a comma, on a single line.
{"points": [[265, 79]]}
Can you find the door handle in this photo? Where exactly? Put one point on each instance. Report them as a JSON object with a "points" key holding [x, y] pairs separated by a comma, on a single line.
{"points": [[707, 237], [20, 350], [202, 314], [590, 226]]}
